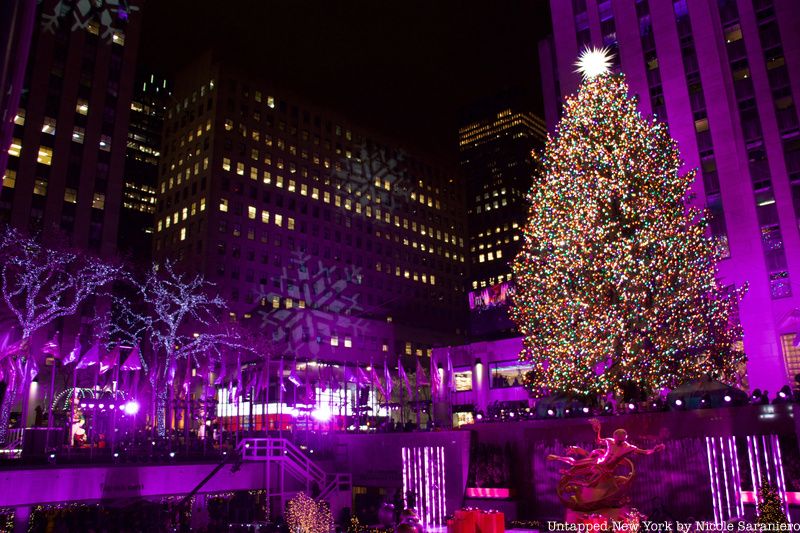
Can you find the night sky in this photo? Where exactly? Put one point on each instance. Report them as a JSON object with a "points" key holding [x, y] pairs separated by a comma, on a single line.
{"points": [[405, 69]]}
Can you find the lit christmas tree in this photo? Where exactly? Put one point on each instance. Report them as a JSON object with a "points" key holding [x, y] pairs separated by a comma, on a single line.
{"points": [[616, 280], [770, 507]]}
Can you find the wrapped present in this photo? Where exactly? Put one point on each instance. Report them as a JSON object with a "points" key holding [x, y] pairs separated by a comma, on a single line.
{"points": [[492, 522], [469, 519]]}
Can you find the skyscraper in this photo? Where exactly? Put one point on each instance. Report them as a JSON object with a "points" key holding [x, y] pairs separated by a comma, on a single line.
{"points": [[305, 221], [725, 76], [497, 148], [150, 99], [68, 148]]}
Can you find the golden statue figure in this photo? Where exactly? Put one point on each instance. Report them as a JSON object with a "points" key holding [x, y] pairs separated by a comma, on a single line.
{"points": [[598, 481]]}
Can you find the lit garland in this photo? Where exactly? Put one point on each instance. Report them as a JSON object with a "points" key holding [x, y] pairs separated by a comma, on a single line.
{"points": [[616, 280], [305, 515]]}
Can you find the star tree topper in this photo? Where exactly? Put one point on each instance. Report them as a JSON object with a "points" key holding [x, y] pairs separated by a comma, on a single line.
{"points": [[594, 62]]}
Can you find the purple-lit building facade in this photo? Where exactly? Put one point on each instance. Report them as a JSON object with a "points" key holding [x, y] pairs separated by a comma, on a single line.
{"points": [[725, 76], [67, 152], [309, 225]]}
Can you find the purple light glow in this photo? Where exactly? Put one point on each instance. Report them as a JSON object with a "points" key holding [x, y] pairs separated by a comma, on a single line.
{"points": [[131, 408], [424, 476]]}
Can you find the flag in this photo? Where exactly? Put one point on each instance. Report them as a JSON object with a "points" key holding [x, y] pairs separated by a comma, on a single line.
{"points": [[73, 355], [91, 357], [451, 378], [133, 361], [420, 376], [387, 378], [280, 377], [361, 376], [52, 347], [377, 382], [403, 376], [111, 359], [436, 382]]}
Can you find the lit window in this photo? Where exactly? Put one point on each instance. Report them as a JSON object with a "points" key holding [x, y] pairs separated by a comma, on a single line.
{"points": [[279, 181], [240, 169], [226, 164], [271, 102], [70, 195], [223, 205], [99, 201], [49, 126], [40, 187], [251, 212], [19, 118], [228, 124], [265, 216], [303, 189], [45, 156], [791, 355], [334, 340], [183, 234], [348, 342], [82, 107], [278, 220], [701, 125], [315, 193], [184, 213], [105, 143], [408, 348], [290, 223], [10, 178], [15, 148], [291, 187], [253, 173], [326, 197], [202, 204]]}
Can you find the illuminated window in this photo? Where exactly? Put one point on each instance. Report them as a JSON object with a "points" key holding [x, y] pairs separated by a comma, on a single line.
{"points": [[99, 201], [253, 173], [228, 124], [408, 348], [19, 118], [226, 164], [463, 380], [45, 156], [279, 181], [271, 102], [507, 374], [334, 340], [10, 178], [202, 204], [82, 107], [791, 355], [40, 187], [49, 126], [223, 205], [278, 220], [303, 189], [348, 342], [291, 187], [290, 223], [240, 169], [251, 212], [265, 216], [15, 148], [183, 234]]}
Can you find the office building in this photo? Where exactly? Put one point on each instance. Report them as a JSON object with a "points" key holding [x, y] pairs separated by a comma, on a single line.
{"points": [[67, 153], [307, 223], [725, 76], [498, 148]]}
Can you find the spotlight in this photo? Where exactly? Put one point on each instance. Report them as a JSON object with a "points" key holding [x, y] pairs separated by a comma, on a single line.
{"points": [[121, 407], [511, 414], [678, 402], [91, 406], [479, 416], [727, 398], [101, 406], [607, 408], [550, 412], [116, 454], [631, 406], [52, 456], [132, 407], [111, 406], [585, 410], [172, 454], [83, 404]]}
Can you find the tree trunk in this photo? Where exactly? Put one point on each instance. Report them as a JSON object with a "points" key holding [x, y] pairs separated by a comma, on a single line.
{"points": [[9, 399]]}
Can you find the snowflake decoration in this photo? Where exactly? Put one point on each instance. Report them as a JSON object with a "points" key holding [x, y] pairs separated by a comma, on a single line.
{"points": [[83, 12], [371, 174], [331, 305]]}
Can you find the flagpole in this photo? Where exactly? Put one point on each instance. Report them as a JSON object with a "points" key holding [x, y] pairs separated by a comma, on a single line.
{"points": [[280, 402], [71, 419]]}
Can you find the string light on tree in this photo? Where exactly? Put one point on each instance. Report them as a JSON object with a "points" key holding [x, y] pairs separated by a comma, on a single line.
{"points": [[617, 280]]}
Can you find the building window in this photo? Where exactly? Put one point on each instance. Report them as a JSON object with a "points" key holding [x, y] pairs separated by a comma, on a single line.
{"points": [[334, 340], [99, 201], [463, 380], [78, 134], [791, 355], [40, 187], [82, 107], [348, 342], [223, 205], [10, 178], [251, 212], [71, 197], [508, 374], [49, 126], [19, 118], [45, 155], [105, 143], [226, 164]]}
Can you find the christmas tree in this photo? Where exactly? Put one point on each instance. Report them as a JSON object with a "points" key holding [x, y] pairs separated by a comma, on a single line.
{"points": [[770, 507], [616, 279]]}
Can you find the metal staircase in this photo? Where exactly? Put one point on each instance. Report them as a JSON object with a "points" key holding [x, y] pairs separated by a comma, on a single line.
{"points": [[292, 461], [13, 447]]}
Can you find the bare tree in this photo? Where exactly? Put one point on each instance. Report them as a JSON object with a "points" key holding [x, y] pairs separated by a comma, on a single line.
{"points": [[41, 285]]}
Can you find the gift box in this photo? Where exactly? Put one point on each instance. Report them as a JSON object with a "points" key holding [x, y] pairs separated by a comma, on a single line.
{"points": [[492, 522]]}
